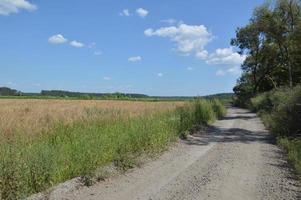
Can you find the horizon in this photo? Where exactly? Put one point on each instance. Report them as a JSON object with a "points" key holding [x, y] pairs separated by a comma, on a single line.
{"points": [[158, 49], [91, 93]]}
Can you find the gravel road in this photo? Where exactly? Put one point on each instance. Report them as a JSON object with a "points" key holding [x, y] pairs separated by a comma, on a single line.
{"points": [[234, 159]]}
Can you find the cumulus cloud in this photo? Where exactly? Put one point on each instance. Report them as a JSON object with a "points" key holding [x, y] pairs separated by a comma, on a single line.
{"points": [[189, 68], [192, 40], [142, 12], [125, 12], [202, 54], [226, 56], [14, 6], [189, 39], [160, 74], [76, 44], [134, 58], [57, 39]]}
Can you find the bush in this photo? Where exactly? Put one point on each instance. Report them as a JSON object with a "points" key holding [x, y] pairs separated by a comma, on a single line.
{"points": [[269, 101], [280, 110]]}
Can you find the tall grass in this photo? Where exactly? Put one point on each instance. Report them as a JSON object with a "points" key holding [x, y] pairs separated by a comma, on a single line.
{"points": [[80, 147], [281, 113], [293, 149]]}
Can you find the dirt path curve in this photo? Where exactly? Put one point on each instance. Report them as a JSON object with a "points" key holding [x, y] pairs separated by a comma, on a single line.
{"points": [[234, 160]]}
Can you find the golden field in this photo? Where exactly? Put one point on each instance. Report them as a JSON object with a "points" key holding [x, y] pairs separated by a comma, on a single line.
{"points": [[46, 142], [34, 116]]}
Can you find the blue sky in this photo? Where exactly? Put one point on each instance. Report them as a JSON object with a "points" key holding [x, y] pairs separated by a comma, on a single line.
{"points": [[168, 47]]}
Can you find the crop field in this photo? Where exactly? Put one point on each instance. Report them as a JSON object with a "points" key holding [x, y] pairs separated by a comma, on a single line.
{"points": [[31, 117], [45, 142]]}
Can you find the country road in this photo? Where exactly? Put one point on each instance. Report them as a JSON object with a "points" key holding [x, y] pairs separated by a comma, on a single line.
{"points": [[235, 159]]}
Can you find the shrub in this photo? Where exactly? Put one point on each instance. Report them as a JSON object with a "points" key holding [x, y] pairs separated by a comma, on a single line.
{"points": [[280, 110]]}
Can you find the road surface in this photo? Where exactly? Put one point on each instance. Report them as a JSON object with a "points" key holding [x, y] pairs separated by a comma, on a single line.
{"points": [[234, 159]]}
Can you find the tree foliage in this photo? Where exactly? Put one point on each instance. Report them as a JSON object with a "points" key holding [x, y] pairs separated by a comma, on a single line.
{"points": [[5, 91], [272, 42]]}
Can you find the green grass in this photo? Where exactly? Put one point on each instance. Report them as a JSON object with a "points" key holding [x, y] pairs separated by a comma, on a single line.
{"points": [[30, 165], [293, 149], [280, 111], [218, 108]]}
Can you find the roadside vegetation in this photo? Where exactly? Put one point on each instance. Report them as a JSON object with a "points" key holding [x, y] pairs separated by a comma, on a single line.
{"points": [[271, 78], [280, 110], [45, 142]]}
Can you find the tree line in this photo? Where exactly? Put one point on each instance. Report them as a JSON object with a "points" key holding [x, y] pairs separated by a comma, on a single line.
{"points": [[272, 43]]}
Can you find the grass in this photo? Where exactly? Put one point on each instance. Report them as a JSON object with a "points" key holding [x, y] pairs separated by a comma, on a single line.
{"points": [[280, 111], [293, 149], [67, 139]]}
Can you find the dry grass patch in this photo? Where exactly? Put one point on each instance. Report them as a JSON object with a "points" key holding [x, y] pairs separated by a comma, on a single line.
{"points": [[31, 117]]}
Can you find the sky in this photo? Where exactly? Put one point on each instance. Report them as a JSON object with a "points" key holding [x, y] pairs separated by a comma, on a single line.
{"points": [[166, 47]]}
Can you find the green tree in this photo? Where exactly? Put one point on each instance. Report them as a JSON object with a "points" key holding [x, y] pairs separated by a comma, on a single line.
{"points": [[272, 43]]}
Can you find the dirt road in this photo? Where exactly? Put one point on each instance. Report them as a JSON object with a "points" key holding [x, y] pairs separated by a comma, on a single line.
{"points": [[234, 160]]}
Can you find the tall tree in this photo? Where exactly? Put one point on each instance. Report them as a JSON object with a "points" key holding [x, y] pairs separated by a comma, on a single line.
{"points": [[272, 43]]}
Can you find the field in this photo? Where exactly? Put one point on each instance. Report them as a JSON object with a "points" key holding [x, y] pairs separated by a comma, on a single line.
{"points": [[45, 142], [33, 117]]}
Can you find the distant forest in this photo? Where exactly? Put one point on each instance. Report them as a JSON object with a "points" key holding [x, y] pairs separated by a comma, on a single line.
{"points": [[8, 92]]}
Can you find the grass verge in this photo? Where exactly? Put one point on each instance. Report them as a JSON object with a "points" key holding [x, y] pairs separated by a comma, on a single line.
{"points": [[293, 149], [280, 111]]}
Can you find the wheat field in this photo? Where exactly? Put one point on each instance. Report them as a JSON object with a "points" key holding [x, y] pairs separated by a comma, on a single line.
{"points": [[45, 142], [31, 117]]}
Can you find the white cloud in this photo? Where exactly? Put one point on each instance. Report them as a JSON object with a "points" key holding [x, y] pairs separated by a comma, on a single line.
{"points": [[234, 70], [97, 53], [134, 58], [220, 73], [76, 44], [202, 54], [192, 40], [125, 12], [231, 71], [14, 6], [225, 56], [160, 74], [189, 39], [57, 39], [142, 12], [189, 68], [169, 21], [107, 78]]}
